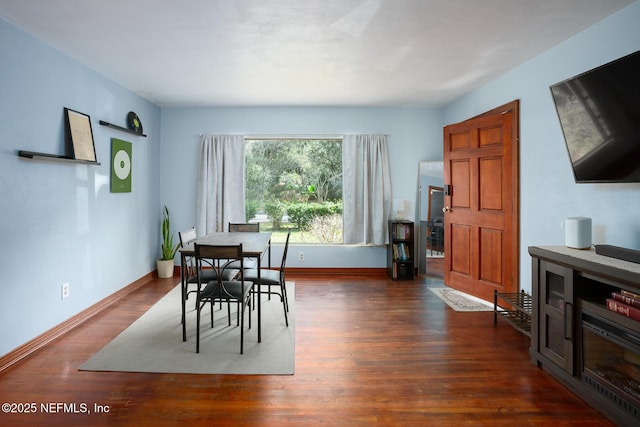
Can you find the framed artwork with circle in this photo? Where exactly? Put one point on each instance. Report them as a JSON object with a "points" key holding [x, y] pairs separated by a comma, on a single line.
{"points": [[120, 166]]}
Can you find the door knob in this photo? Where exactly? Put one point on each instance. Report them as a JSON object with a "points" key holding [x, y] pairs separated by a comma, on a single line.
{"points": [[446, 209]]}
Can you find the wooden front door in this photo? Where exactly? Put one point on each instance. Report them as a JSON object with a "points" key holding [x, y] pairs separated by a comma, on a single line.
{"points": [[481, 203]]}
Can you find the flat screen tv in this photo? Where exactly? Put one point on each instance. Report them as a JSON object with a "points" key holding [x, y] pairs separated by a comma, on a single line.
{"points": [[599, 112]]}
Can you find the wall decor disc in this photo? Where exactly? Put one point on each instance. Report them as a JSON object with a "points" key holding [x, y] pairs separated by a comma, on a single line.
{"points": [[134, 122], [122, 164]]}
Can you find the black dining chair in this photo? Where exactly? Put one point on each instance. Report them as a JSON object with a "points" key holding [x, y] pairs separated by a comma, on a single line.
{"points": [[273, 278], [208, 272], [245, 227], [230, 291]]}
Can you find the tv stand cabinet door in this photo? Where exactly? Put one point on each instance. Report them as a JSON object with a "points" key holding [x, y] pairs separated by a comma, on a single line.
{"points": [[556, 313]]}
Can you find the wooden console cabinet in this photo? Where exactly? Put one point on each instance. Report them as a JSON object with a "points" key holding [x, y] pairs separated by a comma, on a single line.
{"points": [[593, 351]]}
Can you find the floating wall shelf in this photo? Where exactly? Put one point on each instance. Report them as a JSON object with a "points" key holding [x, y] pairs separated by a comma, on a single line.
{"points": [[54, 157], [111, 125]]}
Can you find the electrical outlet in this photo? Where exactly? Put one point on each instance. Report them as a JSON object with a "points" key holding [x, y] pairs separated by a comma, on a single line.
{"points": [[301, 256], [65, 290]]}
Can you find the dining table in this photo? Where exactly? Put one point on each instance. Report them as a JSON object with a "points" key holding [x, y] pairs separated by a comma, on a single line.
{"points": [[254, 245]]}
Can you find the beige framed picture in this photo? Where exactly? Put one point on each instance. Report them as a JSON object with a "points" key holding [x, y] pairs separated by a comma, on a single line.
{"points": [[80, 134]]}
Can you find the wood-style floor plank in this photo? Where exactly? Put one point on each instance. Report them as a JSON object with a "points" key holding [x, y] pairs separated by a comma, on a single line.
{"points": [[369, 351]]}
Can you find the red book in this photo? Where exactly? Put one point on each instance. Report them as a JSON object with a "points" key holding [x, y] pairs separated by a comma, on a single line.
{"points": [[624, 309], [626, 299]]}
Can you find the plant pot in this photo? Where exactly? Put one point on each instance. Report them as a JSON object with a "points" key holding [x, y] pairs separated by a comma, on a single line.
{"points": [[165, 268]]}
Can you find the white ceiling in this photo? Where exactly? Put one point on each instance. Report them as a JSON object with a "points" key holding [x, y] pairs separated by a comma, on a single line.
{"points": [[304, 52]]}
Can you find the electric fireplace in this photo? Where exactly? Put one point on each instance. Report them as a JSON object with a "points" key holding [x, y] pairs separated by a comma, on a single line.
{"points": [[610, 361]]}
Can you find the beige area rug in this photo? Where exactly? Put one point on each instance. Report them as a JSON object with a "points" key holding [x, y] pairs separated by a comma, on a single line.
{"points": [[459, 301], [153, 343]]}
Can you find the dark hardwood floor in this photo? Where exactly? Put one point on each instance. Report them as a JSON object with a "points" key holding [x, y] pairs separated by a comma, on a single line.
{"points": [[369, 351], [435, 268]]}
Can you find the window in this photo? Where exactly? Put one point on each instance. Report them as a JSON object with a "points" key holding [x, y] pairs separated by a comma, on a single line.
{"points": [[296, 185]]}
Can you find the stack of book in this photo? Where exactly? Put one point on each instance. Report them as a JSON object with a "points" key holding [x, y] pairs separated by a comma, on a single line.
{"points": [[400, 252], [625, 303], [402, 231]]}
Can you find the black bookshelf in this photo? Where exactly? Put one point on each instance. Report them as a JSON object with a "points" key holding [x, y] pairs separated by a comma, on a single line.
{"points": [[401, 250]]}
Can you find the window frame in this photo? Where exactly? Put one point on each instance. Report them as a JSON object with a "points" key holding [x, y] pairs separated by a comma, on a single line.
{"points": [[284, 137]]}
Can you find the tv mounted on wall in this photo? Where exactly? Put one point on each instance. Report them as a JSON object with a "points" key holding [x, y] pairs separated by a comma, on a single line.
{"points": [[599, 112]]}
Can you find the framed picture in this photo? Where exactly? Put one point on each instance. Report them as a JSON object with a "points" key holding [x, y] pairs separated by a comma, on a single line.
{"points": [[120, 166], [80, 135]]}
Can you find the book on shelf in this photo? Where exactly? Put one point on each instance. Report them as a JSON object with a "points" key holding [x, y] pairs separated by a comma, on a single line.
{"points": [[623, 296], [630, 294], [402, 231], [624, 309], [400, 252]]}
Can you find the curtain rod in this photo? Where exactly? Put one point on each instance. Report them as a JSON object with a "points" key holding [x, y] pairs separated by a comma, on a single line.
{"points": [[292, 136]]}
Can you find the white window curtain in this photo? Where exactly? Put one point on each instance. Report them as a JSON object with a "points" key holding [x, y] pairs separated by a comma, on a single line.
{"points": [[367, 189], [220, 197]]}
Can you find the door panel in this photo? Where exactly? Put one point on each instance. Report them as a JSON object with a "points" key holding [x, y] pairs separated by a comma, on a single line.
{"points": [[490, 188], [461, 175], [459, 141], [481, 223], [460, 260], [490, 136], [491, 266]]}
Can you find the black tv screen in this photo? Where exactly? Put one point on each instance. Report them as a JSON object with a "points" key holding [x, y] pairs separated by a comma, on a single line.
{"points": [[599, 112]]}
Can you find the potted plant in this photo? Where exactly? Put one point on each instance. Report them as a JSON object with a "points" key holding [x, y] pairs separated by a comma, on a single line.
{"points": [[168, 249]]}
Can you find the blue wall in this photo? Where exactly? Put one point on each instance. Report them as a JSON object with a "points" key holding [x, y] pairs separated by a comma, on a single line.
{"points": [[414, 135], [548, 192], [59, 222]]}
